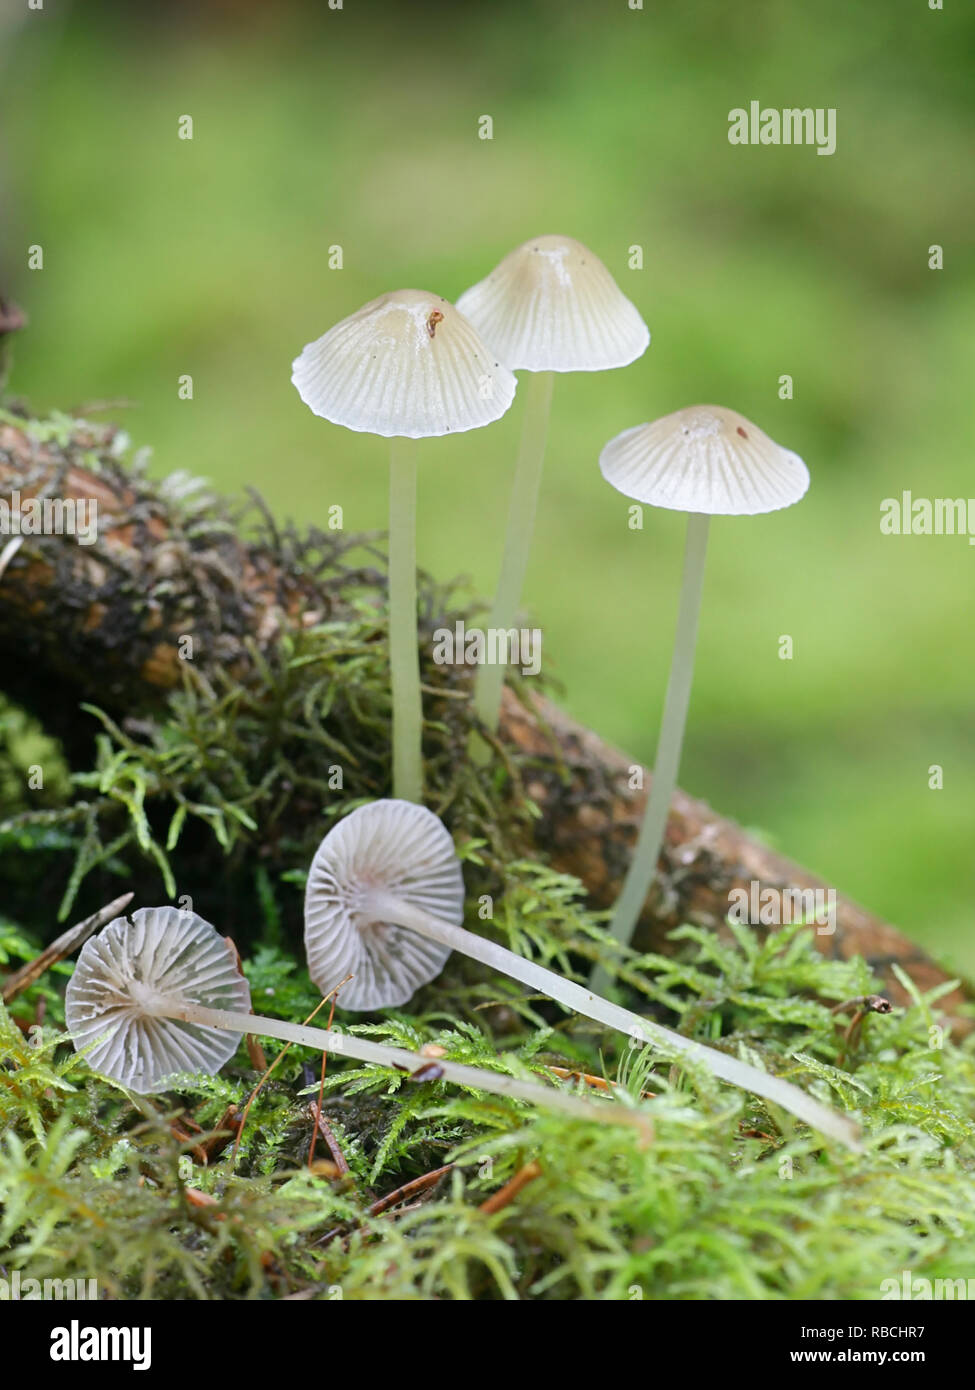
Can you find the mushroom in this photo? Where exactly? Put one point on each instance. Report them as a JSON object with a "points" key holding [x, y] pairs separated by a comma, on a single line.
{"points": [[126, 974], [390, 847], [406, 366], [162, 994], [706, 461], [384, 901], [550, 306]]}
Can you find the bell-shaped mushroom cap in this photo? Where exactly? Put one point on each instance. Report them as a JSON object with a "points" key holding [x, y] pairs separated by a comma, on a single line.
{"points": [[704, 459], [130, 968], [407, 364], [392, 847], [552, 306]]}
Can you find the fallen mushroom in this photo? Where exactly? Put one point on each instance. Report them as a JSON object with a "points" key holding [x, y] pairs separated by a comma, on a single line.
{"points": [[550, 306], [406, 366], [115, 1001], [705, 461], [161, 994], [384, 902]]}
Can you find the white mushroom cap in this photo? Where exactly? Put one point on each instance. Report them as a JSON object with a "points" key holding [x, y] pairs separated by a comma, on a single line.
{"points": [[552, 306], [408, 364], [704, 459], [395, 847], [162, 953]]}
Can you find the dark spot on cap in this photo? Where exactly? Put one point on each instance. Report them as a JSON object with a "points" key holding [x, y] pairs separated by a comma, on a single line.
{"points": [[435, 317], [743, 433]]}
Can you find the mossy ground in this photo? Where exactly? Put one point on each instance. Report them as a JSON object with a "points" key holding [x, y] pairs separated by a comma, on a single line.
{"points": [[220, 793], [728, 1200]]}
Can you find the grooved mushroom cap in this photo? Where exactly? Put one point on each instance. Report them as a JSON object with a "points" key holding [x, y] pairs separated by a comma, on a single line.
{"points": [[552, 306], [393, 847], [704, 459], [408, 364], [162, 953]]}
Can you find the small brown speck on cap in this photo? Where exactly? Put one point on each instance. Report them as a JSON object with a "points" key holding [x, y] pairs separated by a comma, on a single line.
{"points": [[435, 317], [743, 433]]}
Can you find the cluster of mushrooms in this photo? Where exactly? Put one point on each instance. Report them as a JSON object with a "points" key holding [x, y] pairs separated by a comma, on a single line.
{"points": [[161, 993]]}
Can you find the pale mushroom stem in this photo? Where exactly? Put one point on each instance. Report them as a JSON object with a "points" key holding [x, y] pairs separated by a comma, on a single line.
{"points": [[518, 538], [643, 864], [387, 907], [404, 659], [349, 1045]]}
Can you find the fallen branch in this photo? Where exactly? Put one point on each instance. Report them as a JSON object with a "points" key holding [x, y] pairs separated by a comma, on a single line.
{"points": [[105, 622], [507, 1194]]}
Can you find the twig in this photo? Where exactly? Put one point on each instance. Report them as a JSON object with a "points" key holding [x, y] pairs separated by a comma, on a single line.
{"points": [[869, 1003], [408, 1190], [512, 1187], [228, 1124], [863, 1004], [328, 1134], [255, 1051], [392, 1199], [215, 1140], [280, 1057], [598, 1083], [63, 946], [181, 1135]]}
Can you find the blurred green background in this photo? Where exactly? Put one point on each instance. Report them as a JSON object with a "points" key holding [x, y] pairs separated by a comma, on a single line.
{"points": [[358, 127]]}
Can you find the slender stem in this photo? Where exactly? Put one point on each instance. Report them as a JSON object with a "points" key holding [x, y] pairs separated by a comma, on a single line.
{"points": [[388, 908], [518, 538], [350, 1045], [404, 659], [643, 865]]}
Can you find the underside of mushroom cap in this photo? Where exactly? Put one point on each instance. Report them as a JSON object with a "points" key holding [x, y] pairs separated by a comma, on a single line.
{"points": [[394, 847], [405, 364], [160, 954], [552, 306], [705, 458]]}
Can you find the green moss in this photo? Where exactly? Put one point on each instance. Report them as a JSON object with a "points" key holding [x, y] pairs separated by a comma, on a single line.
{"points": [[728, 1200], [221, 792]]}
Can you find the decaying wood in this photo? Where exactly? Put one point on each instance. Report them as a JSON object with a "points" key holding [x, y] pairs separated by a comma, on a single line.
{"points": [[105, 623], [134, 594], [589, 827]]}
